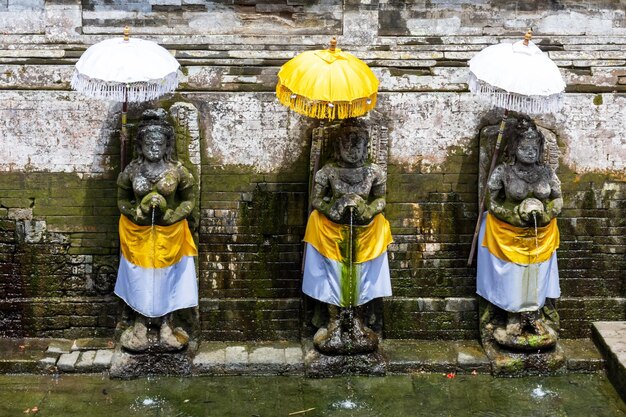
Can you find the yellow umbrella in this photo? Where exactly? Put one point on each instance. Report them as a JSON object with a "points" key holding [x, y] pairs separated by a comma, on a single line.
{"points": [[327, 84]]}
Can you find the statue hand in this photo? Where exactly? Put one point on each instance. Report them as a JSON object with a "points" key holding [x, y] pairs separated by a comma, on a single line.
{"points": [[169, 217], [153, 200], [139, 216], [362, 212], [352, 200], [525, 216]]}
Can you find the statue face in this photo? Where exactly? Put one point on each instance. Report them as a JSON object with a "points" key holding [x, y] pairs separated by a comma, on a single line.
{"points": [[353, 148], [154, 145], [528, 148]]}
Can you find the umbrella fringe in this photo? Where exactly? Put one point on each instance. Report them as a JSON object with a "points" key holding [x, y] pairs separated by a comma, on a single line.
{"points": [[516, 102], [323, 109], [133, 92]]}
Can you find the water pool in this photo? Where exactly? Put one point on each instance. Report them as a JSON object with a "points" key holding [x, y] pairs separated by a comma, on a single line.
{"points": [[583, 395]]}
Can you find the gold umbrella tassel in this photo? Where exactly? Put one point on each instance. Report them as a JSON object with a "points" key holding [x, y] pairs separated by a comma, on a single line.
{"points": [[322, 109]]}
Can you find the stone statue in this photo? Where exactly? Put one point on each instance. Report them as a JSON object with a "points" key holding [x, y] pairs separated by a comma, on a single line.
{"points": [[347, 237], [157, 273], [517, 265]]}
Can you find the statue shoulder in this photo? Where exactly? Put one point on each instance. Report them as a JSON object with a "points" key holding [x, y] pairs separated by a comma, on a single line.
{"points": [[125, 178], [185, 176], [376, 171], [323, 175], [498, 176], [554, 181]]}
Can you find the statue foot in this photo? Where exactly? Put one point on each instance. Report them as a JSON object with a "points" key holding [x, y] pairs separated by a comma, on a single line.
{"points": [[135, 338], [172, 339], [328, 339], [345, 338], [363, 339], [513, 324], [542, 337], [539, 327]]}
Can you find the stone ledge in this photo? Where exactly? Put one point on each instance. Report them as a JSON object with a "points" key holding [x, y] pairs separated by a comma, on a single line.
{"points": [[582, 355], [287, 358], [610, 337], [406, 356], [220, 358]]}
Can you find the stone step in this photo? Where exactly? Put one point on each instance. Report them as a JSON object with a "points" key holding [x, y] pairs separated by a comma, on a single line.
{"points": [[468, 356], [221, 358], [287, 358], [610, 337], [29, 355]]}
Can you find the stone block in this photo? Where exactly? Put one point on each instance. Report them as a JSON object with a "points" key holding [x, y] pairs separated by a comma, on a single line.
{"points": [[58, 347], [67, 362], [47, 363], [461, 304], [293, 356], [405, 356], [267, 355], [210, 358], [90, 343], [103, 358], [236, 355], [85, 362], [471, 357], [20, 214]]}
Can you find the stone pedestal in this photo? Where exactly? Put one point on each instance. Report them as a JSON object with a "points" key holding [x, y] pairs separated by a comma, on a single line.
{"points": [[319, 365], [505, 362], [133, 365]]}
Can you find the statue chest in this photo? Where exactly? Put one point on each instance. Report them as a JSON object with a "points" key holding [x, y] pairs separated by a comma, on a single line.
{"points": [[351, 180], [164, 183], [518, 189]]}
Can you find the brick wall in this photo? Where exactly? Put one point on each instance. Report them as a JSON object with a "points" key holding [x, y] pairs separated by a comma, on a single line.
{"points": [[61, 161]]}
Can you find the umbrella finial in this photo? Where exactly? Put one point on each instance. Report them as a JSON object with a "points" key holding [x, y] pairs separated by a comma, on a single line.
{"points": [[528, 36], [333, 44], [126, 33]]}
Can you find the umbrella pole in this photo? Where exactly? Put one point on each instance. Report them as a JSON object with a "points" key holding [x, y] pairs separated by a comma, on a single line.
{"points": [[123, 133], [481, 207]]}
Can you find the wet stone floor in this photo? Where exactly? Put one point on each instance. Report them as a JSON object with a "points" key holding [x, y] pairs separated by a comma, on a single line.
{"points": [[582, 395]]}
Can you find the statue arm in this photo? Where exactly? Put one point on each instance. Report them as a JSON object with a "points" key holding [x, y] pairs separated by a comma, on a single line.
{"points": [[378, 202], [126, 199], [319, 200], [555, 202], [496, 199], [187, 198]]}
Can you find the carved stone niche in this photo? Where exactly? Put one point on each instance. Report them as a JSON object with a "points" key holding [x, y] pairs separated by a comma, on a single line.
{"points": [[504, 361], [318, 364], [156, 360]]}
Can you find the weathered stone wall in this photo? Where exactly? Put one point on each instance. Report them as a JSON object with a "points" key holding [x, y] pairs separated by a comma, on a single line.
{"points": [[60, 156]]}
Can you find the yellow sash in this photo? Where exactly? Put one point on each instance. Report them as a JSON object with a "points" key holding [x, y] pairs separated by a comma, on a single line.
{"points": [[327, 237], [155, 248], [519, 244]]}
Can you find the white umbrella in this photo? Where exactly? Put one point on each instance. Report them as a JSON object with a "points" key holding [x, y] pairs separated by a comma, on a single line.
{"points": [[518, 77], [125, 70]]}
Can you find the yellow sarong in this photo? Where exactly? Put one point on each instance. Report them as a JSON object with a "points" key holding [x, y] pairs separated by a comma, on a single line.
{"points": [[327, 237], [155, 247], [519, 244]]}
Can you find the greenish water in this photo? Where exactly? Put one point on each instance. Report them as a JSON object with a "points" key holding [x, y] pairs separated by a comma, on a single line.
{"points": [[391, 396]]}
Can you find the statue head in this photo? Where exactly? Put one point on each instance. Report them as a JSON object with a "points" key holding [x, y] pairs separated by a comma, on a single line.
{"points": [[155, 137], [352, 144], [527, 143]]}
